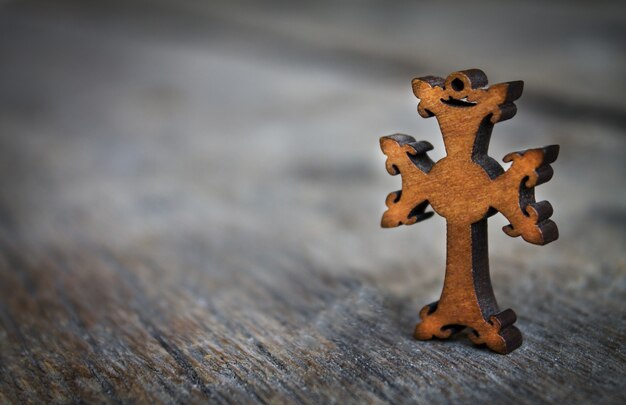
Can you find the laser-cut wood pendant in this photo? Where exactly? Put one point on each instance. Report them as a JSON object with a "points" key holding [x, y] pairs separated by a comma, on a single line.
{"points": [[466, 187]]}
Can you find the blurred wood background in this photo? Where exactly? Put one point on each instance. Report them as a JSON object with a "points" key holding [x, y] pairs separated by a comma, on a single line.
{"points": [[190, 198]]}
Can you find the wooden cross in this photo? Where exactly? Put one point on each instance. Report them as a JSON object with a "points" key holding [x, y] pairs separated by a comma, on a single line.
{"points": [[466, 187]]}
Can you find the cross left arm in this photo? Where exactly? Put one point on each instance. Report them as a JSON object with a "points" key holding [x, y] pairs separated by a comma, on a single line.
{"points": [[407, 157]]}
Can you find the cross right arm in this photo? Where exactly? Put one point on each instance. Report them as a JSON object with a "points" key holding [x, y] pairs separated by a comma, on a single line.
{"points": [[527, 218]]}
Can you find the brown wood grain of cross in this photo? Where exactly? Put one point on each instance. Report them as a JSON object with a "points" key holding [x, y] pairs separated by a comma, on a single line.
{"points": [[466, 187]]}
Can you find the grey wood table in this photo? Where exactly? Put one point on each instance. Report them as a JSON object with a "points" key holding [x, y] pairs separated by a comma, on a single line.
{"points": [[191, 194]]}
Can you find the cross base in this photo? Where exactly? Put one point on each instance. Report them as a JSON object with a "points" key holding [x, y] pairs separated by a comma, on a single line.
{"points": [[497, 332]]}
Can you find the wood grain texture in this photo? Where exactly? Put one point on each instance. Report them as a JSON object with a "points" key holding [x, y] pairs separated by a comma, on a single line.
{"points": [[191, 193], [466, 187]]}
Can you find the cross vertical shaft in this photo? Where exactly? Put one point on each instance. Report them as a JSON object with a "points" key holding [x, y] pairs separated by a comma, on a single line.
{"points": [[467, 298], [467, 271]]}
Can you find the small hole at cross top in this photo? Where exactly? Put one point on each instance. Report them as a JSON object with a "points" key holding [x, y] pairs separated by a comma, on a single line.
{"points": [[457, 84]]}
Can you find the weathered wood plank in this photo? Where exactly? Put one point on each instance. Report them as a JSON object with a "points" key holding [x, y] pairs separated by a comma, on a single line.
{"points": [[191, 196]]}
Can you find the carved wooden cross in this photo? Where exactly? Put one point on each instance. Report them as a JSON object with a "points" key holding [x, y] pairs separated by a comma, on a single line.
{"points": [[466, 187]]}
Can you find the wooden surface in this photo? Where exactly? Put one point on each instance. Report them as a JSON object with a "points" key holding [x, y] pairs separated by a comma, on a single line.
{"points": [[466, 187], [191, 195]]}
